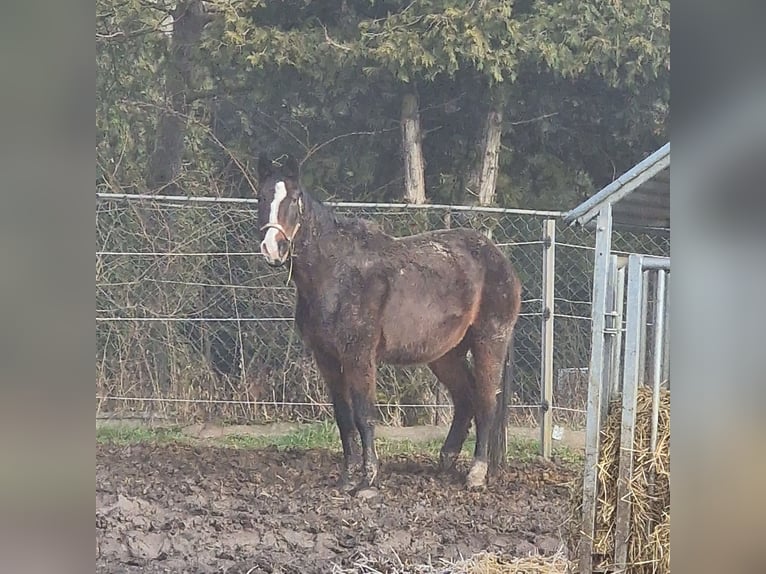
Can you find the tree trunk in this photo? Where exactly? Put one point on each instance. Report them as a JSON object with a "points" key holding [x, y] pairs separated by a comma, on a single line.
{"points": [[164, 166], [481, 182], [488, 162], [412, 144], [189, 19]]}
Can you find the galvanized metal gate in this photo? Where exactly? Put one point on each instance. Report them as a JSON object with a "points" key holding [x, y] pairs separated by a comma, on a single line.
{"points": [[621, 336]]}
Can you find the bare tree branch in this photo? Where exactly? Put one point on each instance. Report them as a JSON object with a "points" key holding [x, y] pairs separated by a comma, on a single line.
{"points": [[532, 120], [333, 43], [314, 149], [127, 35], [280, 127], [207, 131]]}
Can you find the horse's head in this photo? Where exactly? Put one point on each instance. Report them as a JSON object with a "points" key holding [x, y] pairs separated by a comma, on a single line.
{"points": [[280, 206]]}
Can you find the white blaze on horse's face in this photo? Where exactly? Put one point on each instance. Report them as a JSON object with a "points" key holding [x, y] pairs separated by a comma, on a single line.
{"points": [[270, 245]]}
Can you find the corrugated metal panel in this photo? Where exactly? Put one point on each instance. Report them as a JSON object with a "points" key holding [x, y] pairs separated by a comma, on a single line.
{"points": [[640, 197], [636, 212], [651, 191]]}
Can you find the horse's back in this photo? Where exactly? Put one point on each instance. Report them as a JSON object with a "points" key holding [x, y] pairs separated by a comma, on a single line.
{"points": [[500, 297], [461, 245], [438, 284]]}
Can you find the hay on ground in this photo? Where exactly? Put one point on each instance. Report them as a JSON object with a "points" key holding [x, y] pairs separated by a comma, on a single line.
{"points": [[483, 563], [649, 542], [494, 564]]}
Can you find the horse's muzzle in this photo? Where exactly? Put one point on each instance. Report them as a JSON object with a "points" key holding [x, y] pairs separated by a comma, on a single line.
{"points": [[276, 263], [276, 251]]}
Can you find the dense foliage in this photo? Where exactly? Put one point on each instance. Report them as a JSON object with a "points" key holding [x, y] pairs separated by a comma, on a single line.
{"points": [[584, 85], [189, 92]]}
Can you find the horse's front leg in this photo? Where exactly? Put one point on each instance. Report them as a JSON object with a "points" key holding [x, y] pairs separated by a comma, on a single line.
{"points": [[361, 380], [344, 417]]}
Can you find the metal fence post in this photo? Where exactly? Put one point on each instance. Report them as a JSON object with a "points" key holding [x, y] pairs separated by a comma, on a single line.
{"points": [[609, 334], [666, 346], [642, 350], [657, 360], [546, 363], [631, 379], [619, 319], [659, 336], [595, 385]]}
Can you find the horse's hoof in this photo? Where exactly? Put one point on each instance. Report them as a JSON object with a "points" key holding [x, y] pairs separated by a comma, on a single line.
{"points": [[477, 476], [366, 493], [368, 482], [447, 461], [344, 483], [363, 489], [370, 474], [353, 467]]}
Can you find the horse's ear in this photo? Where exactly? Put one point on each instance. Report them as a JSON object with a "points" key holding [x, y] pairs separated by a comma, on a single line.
{"points": [[291, 167], [265, 167]]}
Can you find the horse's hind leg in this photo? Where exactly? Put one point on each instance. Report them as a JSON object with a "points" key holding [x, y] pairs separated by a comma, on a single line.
{"points": [[488, 356], [453, 372]]}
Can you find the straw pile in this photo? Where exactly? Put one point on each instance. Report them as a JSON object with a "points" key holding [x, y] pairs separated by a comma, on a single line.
{"points": [[484, 563], [649, 542], [494, 564]]}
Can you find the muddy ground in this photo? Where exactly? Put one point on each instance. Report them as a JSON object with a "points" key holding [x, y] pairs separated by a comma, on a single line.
{"points": [[181, 508]]}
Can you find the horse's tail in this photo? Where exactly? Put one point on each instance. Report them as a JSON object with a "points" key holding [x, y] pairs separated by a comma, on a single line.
{"points": [[498, 441], [507, 386]]}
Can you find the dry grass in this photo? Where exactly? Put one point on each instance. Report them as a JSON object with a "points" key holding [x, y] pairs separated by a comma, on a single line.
{"points": [[484, 563], [649, 542], [492, 564], [661, 545]]}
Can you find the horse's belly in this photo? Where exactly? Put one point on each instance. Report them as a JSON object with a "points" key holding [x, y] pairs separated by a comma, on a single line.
{"points": [[426, 316], [417, 339]]}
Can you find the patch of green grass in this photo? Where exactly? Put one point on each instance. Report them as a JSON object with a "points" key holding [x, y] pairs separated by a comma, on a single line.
{"points": [[308, 436], [523, 449], [324, 435], [135, 435], [568, 456], [519, 449]]}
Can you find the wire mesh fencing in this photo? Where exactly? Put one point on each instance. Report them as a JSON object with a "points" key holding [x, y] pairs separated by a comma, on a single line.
{"points": [[192, 324]]}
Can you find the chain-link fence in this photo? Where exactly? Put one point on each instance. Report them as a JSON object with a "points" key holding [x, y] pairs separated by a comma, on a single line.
{"points": [[192, 324]]}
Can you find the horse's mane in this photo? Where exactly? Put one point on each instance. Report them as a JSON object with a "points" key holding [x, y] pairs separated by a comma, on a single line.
{"points": [[326, 214], [359, 225]]}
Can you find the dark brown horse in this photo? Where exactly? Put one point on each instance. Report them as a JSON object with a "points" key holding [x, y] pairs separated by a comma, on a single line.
{"points": [[364, 297]]}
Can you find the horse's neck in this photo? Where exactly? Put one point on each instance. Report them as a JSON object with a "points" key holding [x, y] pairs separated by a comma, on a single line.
{"points": [[319, 232], [318, 215]]}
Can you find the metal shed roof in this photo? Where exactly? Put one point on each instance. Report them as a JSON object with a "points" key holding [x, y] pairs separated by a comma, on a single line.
{"points": [[640, 197]]}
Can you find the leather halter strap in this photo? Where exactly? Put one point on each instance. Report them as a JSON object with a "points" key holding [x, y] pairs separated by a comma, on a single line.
{"points": [[278, 227]]}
